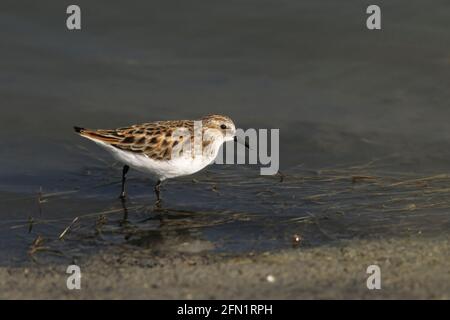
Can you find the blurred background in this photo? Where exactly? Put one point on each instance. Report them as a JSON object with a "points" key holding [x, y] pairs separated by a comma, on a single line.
{"points": [[339, 93]]}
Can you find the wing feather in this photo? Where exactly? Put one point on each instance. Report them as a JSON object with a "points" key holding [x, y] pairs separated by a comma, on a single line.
{"points": [[153, 139]]}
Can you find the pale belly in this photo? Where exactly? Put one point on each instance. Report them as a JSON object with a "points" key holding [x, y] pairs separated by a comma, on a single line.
{"points": [[161, 169]]}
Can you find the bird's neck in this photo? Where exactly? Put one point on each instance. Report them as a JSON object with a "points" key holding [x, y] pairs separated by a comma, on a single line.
{"points": [[211, 144]]}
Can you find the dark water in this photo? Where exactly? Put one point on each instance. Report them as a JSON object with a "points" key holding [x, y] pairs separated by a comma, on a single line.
{"points": [[342, 97]]}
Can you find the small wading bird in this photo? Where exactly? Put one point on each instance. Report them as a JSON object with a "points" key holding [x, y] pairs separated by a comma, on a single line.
{"points": [[165, 149]]}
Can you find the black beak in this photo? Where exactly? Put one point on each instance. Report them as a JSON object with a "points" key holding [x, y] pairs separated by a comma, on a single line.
{"points": [[245, 143]]}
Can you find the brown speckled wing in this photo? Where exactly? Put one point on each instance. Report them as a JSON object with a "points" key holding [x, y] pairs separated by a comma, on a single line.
{"points": [[155, 139]]}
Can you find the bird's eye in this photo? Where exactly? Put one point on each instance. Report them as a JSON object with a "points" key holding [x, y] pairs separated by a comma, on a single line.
{"points": [[223, 127]]}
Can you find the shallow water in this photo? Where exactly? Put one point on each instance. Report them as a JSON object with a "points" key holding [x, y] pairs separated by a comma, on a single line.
{"points": [[341, 96]]}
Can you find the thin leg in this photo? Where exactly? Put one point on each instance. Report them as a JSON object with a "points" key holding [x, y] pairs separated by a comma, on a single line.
{"points": [[157, 191], [124, 179], [124, 220]]}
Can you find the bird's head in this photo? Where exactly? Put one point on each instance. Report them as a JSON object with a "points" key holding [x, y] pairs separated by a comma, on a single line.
{"points": [[222, 124]]}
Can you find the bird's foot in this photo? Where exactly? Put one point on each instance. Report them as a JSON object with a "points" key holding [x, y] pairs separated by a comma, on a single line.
{"points": [[158, 205]]}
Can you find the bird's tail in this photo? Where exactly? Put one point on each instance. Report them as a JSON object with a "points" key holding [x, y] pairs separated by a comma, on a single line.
{"points": [[79, 129], [107, 136]]}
